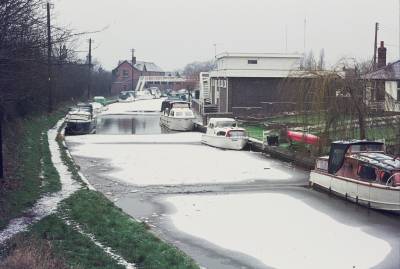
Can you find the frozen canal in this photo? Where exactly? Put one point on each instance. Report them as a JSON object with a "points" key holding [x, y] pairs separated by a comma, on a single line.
{"points": [[228, 209]]}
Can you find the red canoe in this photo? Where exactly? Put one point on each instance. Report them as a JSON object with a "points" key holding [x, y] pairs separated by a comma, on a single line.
{"points": [[303, 137]]}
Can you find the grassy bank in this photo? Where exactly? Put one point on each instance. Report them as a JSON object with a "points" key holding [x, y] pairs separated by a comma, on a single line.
{"points": [[129, 238], [52, 244], [28, 158]]}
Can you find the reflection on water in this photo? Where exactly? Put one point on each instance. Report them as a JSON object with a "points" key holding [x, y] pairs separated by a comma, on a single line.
{"points": [[130, 124]]}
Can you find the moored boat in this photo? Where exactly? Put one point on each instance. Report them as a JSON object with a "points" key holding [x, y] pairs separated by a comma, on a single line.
{"points": [[362, 172], [144, 95], [126, 97], [224, 133], [177, 116], [80, 120]]}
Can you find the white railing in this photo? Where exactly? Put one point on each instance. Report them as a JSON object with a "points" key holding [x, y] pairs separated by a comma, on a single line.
{"points": [[156, 79]]}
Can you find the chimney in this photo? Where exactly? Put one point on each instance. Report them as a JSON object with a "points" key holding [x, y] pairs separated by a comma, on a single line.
{"points": [[133, 57], [382, 55]]}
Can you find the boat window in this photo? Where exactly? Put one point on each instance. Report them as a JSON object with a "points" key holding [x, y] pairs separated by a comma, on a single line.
{"points": [[367, 173], [366, 148], [221, 133], [384, 177], [172, 113], [226, 124], [238, 133]]}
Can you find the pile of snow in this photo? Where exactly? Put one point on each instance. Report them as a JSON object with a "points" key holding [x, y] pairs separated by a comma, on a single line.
{"points": [[286, 233]]}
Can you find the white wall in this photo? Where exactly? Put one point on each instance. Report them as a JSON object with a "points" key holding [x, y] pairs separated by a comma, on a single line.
{"points": [[391, 91], [268, 65], [241, 63]]}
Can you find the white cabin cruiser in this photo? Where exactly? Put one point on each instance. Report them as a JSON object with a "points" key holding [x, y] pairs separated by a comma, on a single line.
{"points": [[144, 95], [361, 172], [224, 133], [177, 116], [126, 97]]}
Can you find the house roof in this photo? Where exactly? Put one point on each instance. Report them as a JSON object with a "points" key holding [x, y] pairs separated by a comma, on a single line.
{"points": [[143, 66], [258, 55], [389, 72]]}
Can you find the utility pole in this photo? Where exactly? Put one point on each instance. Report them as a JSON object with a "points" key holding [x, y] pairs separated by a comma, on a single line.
{"points": [[133, 66], [90, 70], [1, 144], [376, 43], [305, 36], [215, 51], [286, 38], [49, 69]]}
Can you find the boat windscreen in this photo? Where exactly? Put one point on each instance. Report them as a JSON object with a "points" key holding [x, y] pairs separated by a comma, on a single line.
{"points": [[226, 124], [336, 157], [180, 105], [367, 148], [123, 96]]}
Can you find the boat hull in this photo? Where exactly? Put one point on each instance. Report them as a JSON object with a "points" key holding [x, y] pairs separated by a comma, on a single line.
{"points": [[80, 128], [224, 142], [368, 194], [177, 124]]}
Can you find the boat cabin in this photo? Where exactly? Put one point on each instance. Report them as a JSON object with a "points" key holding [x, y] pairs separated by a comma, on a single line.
{"points": [[363, 161], [168, 105], [225, 127], [222, 123]]}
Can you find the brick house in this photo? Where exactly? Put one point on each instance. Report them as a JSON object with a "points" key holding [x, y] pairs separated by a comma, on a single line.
{"points": [[127, 74], [247, 84]]}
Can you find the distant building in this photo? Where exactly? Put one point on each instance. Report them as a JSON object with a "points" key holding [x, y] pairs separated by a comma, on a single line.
{"points": [[247, 84], [126, 75], [383, 91]]}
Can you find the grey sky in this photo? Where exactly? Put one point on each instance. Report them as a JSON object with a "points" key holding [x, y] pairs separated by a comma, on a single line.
{"points": [[173, 33]]}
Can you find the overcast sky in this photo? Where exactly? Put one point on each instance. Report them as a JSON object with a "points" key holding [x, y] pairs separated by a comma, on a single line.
{"points": [[172, 33]]}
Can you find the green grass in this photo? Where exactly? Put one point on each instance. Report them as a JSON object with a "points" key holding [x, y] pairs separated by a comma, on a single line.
{"points": [[131, 239], [33, 159], [254, 130], [74, 249]]}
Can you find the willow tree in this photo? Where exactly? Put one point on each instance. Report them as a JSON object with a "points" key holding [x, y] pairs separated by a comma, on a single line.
{"points": [[332, 102]]}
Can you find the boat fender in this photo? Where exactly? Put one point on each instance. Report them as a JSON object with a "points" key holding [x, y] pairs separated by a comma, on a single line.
{"points": [[396, 181]]}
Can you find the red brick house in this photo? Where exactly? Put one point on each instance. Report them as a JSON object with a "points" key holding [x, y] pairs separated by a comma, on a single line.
{"points": [[122, 75]]}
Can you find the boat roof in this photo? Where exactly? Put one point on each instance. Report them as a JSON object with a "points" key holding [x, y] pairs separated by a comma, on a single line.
{"points": [[358, 142], [380, 160], [222, 119]]}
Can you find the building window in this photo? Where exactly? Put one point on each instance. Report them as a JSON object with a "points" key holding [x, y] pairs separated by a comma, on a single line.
{"points": [[252, 61], [398, 91], [125, 73]]}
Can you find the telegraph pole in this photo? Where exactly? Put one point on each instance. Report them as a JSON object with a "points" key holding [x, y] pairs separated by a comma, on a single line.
{"points": [[305, 36], [90, 70], [49, 79], [133, 66], [376, 43]]}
